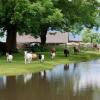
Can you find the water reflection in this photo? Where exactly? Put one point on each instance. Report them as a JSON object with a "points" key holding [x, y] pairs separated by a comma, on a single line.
{"points": [[64, 82], [43, 74], [2, 82], [66, 67], [75, 65], [27, 77]]}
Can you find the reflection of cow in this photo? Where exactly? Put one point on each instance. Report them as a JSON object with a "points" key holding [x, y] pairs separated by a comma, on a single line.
{"points": [[2, 48], [66, 66]]}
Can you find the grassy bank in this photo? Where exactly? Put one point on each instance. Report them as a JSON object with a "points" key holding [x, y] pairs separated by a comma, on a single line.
{"points": [[18, 66]]}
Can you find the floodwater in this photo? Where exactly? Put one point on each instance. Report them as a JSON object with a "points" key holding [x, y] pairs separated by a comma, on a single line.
{"points": [[65, 82]]}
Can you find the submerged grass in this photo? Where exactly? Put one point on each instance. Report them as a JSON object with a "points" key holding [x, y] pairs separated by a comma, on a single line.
{"points": [[18, 67]]}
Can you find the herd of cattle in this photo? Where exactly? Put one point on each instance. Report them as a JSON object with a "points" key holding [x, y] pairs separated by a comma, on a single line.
{"points": [[28, 56]]}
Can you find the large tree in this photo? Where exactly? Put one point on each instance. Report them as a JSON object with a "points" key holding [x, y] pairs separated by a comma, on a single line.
{"points": [[51, 16], [29, 17], [14, 18]]}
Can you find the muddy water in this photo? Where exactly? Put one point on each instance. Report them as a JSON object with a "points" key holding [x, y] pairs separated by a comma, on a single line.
{"points": [[64, 82]]}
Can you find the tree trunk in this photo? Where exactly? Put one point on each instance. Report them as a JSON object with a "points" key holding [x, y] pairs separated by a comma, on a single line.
{"points": [[43, 35], [43, 39], [2, 48], [11, 39]]}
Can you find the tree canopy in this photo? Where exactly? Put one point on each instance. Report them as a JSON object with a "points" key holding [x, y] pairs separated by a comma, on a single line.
{"points": [[89, 36], [78, 13], [28, 16], [36, 16]]}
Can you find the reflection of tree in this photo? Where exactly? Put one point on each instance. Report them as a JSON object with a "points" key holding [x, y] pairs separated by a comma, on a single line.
{"points": [[11, 87], [2, 82], [9, 92], [40, 88], [36, 89]]}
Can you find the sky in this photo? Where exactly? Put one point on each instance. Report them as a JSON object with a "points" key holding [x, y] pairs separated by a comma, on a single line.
{"points": [[75, 37], [79, 37], [3, 38]]}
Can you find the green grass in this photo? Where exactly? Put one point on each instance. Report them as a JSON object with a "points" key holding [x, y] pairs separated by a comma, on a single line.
{"points": [[18, 67]]}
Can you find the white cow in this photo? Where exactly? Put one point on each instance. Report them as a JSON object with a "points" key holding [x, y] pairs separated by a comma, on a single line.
{"points": [[53, 55], [9, 57], [27, 57], [41, 57]]}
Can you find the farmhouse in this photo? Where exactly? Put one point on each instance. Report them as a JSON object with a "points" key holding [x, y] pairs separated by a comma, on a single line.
{"points": [[52, 38]]}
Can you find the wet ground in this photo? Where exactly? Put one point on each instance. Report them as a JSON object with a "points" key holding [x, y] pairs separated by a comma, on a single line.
{"points": [[65, 82]]}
